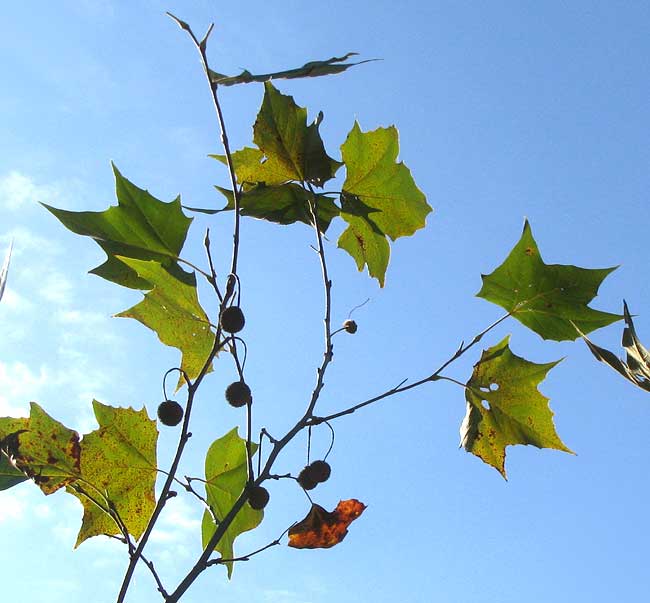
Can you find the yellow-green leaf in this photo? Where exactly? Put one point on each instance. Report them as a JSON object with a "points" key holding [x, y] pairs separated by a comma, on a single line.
{"points": [[118, 464], [42, 448], [288, 149], [504, 407], [380, 198], [226, 476], [172, 310]]}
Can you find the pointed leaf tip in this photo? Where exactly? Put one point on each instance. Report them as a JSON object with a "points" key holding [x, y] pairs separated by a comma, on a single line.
{"points": [[505, 408], [380, 199], [547, 298], [139, 226]]}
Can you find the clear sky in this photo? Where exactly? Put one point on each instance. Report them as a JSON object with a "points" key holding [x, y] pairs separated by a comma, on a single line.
{"points": [[506, 110]]}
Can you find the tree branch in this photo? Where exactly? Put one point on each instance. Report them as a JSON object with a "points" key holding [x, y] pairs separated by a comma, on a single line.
{"points": [[435, 376]]}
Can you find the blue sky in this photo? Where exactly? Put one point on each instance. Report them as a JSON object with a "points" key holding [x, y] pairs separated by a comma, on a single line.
{"points": [[506, 110]]}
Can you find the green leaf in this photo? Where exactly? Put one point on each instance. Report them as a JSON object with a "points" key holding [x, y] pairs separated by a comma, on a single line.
{"points": [[118, 464], [284, 204], [504, 407], [312, 69], [10, 430], [10, 476], [636, 367], [288, 149], [226, 476], [140, 227], [548, 298], [172, 310], [42, 448], [380, 198]]}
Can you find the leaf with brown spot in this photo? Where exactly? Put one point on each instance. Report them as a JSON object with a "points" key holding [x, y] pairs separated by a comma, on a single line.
{"points": [[42, 448], [380, 199], [504, 407], [118, 464], [322, 529], [547, 298]]}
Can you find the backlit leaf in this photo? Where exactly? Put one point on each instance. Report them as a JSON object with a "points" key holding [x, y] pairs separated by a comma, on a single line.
{"points": [[283, 204], [118, 463], [140, 227], [504, 407], [172, 310], [42, 448], [636, 367], [288, 149], [10, 476], [10, 429], [226, 476], [322, 529], [380, 198], [311, 69], [547, 298]]}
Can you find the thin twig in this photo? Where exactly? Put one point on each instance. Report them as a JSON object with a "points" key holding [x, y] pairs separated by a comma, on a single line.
{"points": [[156, 577], [201, 46], [435, 376], [221, 561], [213, 273]]}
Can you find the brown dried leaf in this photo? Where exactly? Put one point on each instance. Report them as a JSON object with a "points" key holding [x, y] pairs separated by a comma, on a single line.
{"points": [[322, 529]]}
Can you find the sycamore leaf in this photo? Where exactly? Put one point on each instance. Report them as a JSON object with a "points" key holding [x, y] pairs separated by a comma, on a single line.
{"points": [[10, 475], [10, 430], [636, 367], [312, 69], [548, 298], [288, 149], [118, 464], [504, 407], [322, 529], [172, 310], [380, 198], [283, 204], [42, 448], [226, 475], [140, 227], [5, 270]]}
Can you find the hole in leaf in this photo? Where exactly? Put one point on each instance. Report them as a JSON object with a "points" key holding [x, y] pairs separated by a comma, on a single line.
{"points": [[485, 404], [494, 387]]}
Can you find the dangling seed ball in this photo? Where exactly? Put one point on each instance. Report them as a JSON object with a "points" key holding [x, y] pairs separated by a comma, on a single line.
{"points": [[170, 413], [238, 394], [320, 471], [350, 326], [232, 319], [258, 497], [306, 479]]}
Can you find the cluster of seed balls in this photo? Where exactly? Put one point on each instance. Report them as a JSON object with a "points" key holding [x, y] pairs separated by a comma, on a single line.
{"points": [[238, 394]]}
